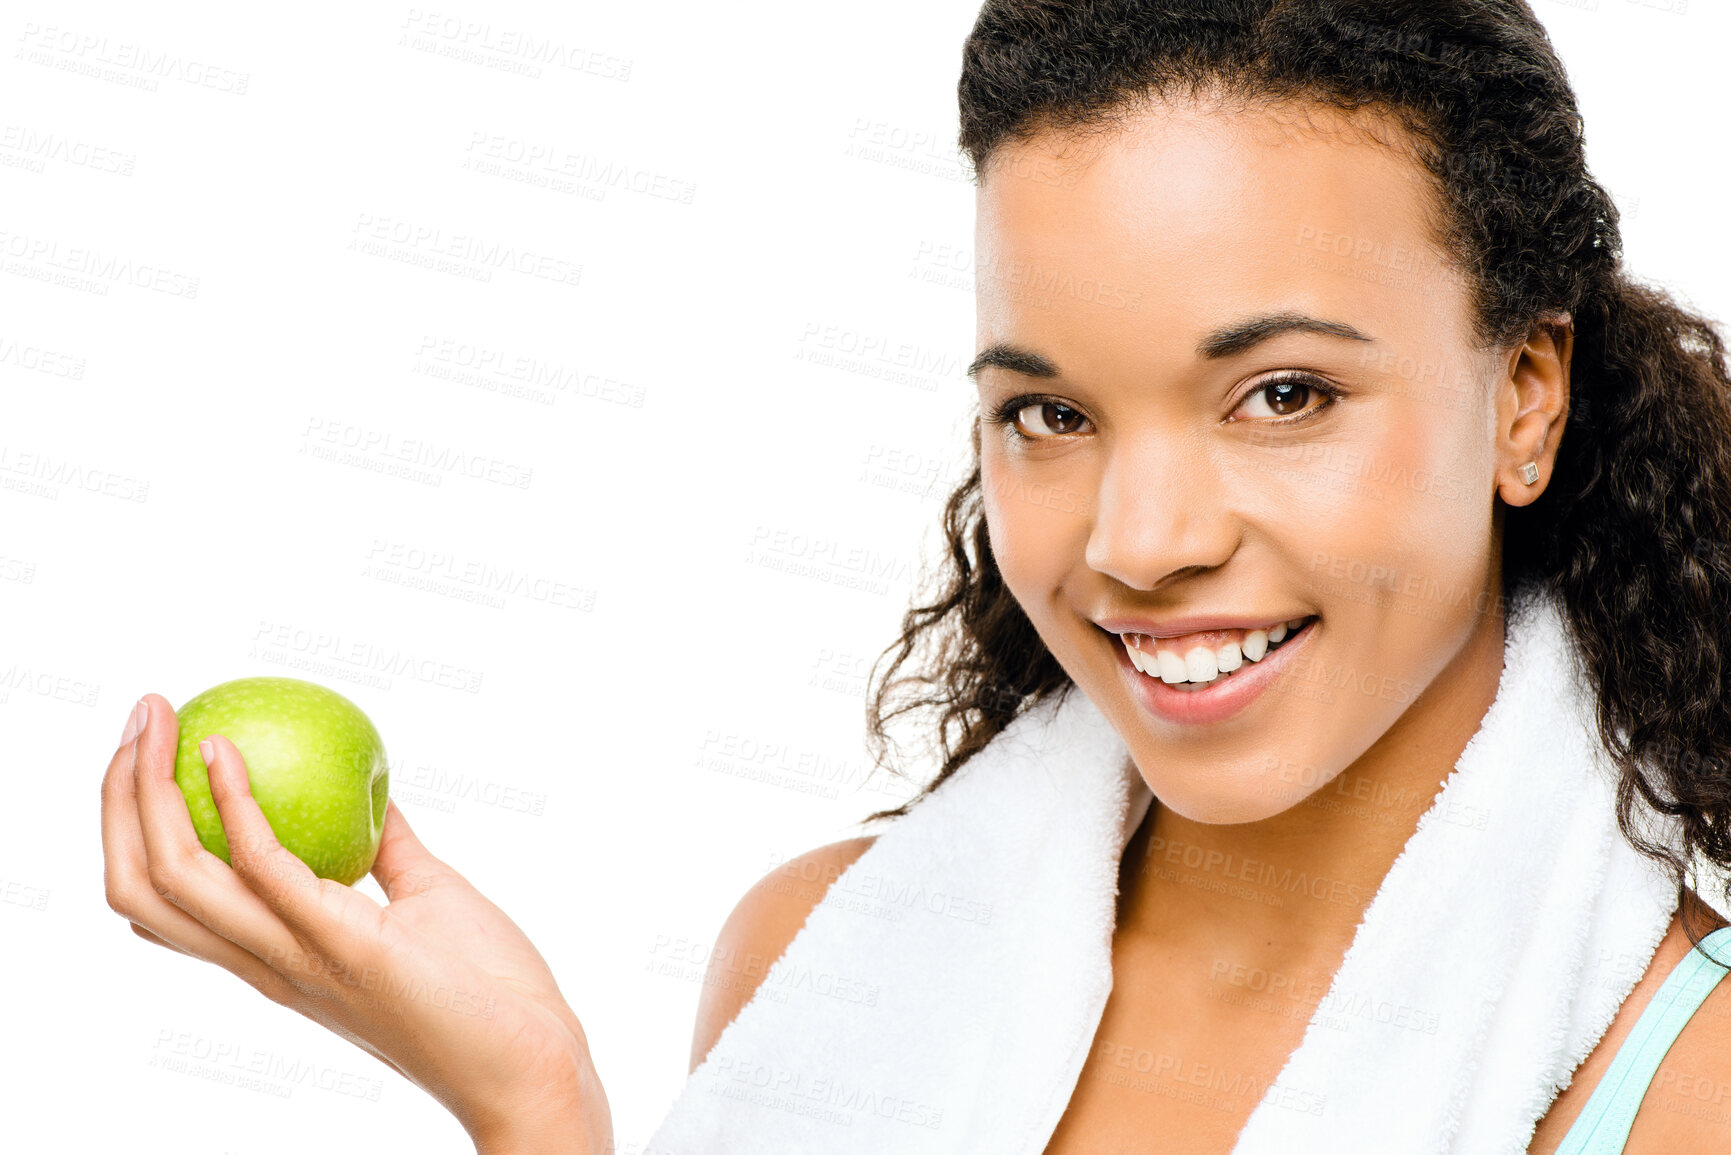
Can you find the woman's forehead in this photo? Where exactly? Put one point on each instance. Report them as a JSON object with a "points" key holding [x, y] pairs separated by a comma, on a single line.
{"points": [[1180, 212], [1179, 182]]}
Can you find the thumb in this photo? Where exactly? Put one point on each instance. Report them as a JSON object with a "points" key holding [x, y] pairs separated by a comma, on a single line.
{"points": [[403, 866]]}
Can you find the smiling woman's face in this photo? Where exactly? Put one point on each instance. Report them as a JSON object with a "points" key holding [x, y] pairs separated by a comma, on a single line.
{"points": [[1241, 384]]}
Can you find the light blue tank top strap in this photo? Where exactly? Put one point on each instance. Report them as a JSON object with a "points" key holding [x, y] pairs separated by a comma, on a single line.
{"points": [[1603, 1126]]}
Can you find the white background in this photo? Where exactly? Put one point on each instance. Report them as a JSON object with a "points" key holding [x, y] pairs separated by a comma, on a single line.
{"points": [[752, 405]]}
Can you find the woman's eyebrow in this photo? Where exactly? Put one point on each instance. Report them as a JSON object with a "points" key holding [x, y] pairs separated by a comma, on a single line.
{"points": [[1014, 358], [1241, 335], [1226, 341]]}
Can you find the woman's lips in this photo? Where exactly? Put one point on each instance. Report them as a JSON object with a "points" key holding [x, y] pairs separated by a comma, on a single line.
{"points": [[1222, 698]]}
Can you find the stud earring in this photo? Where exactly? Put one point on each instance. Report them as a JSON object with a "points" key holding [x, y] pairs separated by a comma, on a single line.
{"points": [[1530, 472]]}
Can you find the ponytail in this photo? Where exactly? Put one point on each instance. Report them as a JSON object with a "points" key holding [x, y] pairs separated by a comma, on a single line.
{"points": [[1634, 533]]}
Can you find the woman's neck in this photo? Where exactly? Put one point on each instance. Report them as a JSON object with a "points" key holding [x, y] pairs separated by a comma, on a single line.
{"points": [[1284, 896]]}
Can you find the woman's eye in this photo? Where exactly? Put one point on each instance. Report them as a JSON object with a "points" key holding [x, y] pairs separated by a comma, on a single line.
{"points": [[1288, 398], [1050, 419]]}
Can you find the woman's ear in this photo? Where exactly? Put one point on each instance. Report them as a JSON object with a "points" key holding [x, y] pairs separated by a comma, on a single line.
{"points": [[1532, 407]]}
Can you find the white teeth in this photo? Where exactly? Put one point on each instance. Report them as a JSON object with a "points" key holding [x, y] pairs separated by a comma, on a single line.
{"points": [[1229, 658], [1201, 665]]}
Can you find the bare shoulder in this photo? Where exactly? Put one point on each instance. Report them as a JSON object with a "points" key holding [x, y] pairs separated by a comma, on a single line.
{"points": [[1687, 1106], [763, 923]]}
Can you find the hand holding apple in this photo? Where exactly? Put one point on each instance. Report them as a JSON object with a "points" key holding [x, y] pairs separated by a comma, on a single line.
{"points": [[439, 983], [315, 762]]}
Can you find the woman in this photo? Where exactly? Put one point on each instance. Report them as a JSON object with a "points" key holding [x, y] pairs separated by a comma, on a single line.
{"points": [[1271, 296]]}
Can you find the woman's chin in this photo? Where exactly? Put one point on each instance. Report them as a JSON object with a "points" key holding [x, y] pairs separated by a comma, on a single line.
{"points": [[1228, 803]]}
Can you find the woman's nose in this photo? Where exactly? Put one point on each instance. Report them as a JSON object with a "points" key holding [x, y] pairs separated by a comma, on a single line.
{"points": [[1162, 509]]}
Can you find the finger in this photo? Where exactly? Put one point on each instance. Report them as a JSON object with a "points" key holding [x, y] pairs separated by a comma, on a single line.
{"points": [[164, 822], [404, 866], [180, 869], [320, 912], [126, 876], [150, 936], [122, 844]]}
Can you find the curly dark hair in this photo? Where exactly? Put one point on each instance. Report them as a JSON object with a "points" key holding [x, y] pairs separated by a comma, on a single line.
{"points": [[1633, 531]]}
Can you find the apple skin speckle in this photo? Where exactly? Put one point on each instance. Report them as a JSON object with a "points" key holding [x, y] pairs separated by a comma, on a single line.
{"points": [[315, 762]]}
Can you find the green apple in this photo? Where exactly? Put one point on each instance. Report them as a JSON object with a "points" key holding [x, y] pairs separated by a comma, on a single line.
{"points": [[315, 763]]}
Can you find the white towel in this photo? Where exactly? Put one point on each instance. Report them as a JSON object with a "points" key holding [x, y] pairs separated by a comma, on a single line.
{"points": [[945, 993]]}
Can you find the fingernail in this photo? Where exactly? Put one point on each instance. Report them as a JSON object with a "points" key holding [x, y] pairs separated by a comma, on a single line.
{"points": [[135, 722], [207, 751]]}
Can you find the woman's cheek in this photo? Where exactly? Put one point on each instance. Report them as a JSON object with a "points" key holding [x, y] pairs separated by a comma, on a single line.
{"points": [[1036, 521]]}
